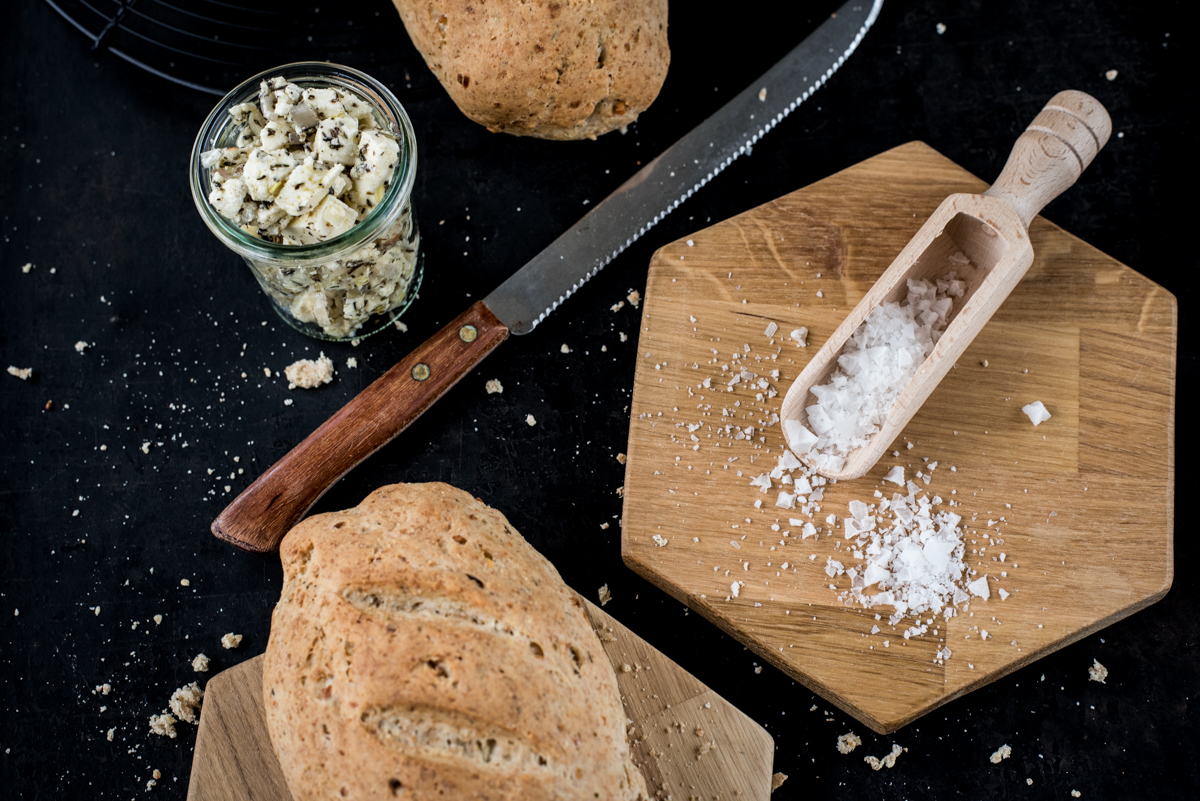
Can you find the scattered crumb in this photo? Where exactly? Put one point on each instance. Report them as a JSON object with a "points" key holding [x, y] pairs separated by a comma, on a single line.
{"points": [[530, 420], [493, 386], [659, 540], [1029, 781], [200, 664], [620, 304], [81, 346], [762, 95], [941, 28], [184, 583], [1002, 753], [565, 348], [1111, 75], [267, 372], [185, 702], [401, 327], [109, 734], [145, 447], [22, 373], [231, 640], [27, 267], [1097, 672], [704, 748], [308, 374], [103, 689], [605, 595], [634, 298], [621, 458], [351, 362], [848, 742], [777, 781], [157, 774], [603, 526], [157, 620], [888, 761], [163, 725], [1076, 794]]}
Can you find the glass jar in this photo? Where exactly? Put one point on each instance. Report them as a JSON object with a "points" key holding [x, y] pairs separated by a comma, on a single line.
{"points": [[353, 284]]}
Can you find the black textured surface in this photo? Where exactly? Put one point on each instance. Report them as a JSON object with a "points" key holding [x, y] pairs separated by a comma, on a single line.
{"points": [[95, 197]]}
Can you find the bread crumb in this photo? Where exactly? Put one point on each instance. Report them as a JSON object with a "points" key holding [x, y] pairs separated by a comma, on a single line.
{"points": [[81, 346], [1111, 75], [184, 583], [145, 447], [616, 307], [351, 363], [163, 725], [493, 386], [1002, 753], [848, 742], [565, 348], [941, 28], [108, 735], [401, 327], [26, 267], [1097, 672], [605, 595], [621, 458], [157, 774], [634, 298], [888, 761], [603, 526], [1076, 794], [186, 701], [231, 640], [200, 663], [267, 372], [307, 374], [777, 781], [157, 620], [22, 373], [659, 540], [103, 689], [704, 748], [530, 420], [1029, 782]]}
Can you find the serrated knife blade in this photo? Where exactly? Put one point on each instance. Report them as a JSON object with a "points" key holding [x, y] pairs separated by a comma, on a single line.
{"points": [[657, 189], [264, 512]]}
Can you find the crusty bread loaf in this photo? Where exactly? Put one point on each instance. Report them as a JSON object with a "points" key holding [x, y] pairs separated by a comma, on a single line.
{"points": [[556, 69], [422, 649]]}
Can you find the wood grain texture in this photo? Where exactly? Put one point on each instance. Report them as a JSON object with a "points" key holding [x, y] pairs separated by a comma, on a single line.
{"points": [[687, 740], [984, 241], [266, 510], [1083, 502]]}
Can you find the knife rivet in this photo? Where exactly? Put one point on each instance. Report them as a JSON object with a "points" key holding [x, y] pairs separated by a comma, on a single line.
{"points": [[467, 333], [421, 372]]}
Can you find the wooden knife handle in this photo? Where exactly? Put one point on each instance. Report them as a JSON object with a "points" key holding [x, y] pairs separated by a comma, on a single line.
{"points": [[1052, 152], [266, 510]]}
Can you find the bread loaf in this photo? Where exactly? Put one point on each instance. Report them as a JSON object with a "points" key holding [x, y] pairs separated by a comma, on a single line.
{"points": [[556, 69], [422, 649]]}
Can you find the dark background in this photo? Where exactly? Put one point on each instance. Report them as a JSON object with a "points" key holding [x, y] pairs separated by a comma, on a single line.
{"points": [[93, 192]]}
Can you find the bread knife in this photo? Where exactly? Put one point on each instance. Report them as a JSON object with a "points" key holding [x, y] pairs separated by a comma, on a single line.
{"points": [[266, 510]]}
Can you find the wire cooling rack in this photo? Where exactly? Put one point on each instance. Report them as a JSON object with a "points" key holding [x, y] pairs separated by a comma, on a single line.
{"points": [[211, 46]]}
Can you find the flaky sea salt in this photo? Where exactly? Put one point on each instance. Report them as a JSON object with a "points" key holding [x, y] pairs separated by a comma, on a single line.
{"points": [[1036, 412], [877, 363]]}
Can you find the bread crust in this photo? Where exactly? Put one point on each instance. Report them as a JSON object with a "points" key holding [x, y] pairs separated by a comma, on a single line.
{"points": [[555, 69], [422, 649]]}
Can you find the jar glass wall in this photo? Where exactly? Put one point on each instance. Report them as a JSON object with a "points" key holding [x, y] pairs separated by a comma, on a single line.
{"points": [[350, 285]]}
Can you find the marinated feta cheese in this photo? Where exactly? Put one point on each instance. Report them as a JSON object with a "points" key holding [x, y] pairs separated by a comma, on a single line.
{"points": [[308, 166]]}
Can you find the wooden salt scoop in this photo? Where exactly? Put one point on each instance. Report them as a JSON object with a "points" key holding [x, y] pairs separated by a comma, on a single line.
{"points": [[985, 240]]}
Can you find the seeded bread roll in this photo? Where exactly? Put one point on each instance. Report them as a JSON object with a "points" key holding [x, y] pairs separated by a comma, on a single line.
{"points": [[555, 69], [422, 649]]}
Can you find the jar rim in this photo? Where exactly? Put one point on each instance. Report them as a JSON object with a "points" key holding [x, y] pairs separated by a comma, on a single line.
{"points": [[308, 73]]}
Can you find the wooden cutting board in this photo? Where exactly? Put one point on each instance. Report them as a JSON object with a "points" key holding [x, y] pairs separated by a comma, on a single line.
{"points": [[1082, 503], [676, 720]]}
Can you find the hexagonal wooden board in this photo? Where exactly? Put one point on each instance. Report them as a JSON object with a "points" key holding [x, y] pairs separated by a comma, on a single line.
{"points": [[1081, 506]]}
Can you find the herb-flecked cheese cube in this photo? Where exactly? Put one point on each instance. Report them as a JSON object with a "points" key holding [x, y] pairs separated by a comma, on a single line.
{"points": [[337, 140], [302, 191], [265, 169], [377, 157]]}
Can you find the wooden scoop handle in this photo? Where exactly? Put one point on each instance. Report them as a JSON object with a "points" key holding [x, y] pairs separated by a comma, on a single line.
{"points": [[266, 510], [1052, 152]]}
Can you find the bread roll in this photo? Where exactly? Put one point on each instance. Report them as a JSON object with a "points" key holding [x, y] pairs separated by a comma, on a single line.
{"points": [[556, 69], [422, 649]]}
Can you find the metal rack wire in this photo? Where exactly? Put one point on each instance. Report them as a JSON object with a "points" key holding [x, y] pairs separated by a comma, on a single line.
{"points": [[211, 46]]}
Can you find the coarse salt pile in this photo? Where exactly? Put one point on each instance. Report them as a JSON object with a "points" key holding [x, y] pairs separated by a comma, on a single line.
{"points": [[877, 363], [913, 559]]}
